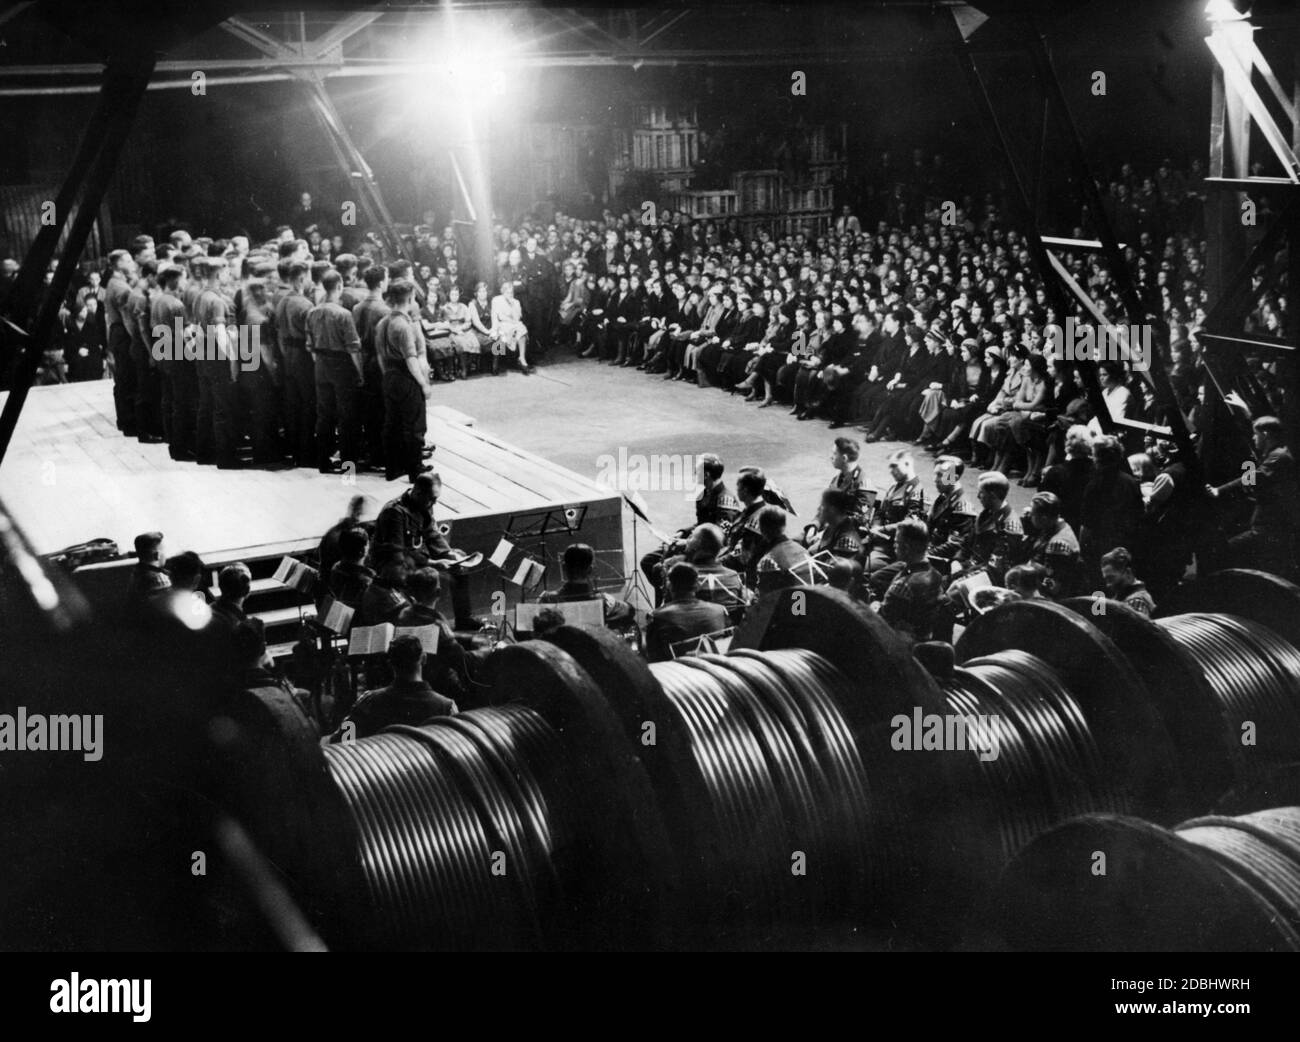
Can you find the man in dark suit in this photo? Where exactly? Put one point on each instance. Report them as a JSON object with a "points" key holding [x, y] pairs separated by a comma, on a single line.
{"points": [[683, 616]]}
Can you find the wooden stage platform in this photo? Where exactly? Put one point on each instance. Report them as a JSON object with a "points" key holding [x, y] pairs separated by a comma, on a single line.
{"points": [[70, 476]]}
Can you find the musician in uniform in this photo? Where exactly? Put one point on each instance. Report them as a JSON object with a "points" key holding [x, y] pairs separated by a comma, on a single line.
{"points": [[995, 537], [905, 498], [1122, 585], [951, 516], [714, 505], [577, 563], [750, 488], [1052, 543], [406, 524], [911, 602], [718, 583], [684, 615], [782, 562], [838, 534], [848, 474]]}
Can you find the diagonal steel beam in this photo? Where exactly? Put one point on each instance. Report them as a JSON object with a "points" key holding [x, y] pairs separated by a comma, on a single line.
{"points": [[673, 20], [1238, 79], [255, 37], [341, 32], [124, 87]]}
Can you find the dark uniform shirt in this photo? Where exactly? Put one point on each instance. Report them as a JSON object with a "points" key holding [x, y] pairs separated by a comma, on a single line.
{"points": [[992, 539], [716, 506], [618, 614], [402, 702], [912, 599], [330, 331], [404, 525], [291, 320], [785, 564], [841, 539], [680, 620]]}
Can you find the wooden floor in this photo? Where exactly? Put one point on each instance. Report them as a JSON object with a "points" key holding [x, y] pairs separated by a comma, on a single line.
{"points": [[70, 476]]}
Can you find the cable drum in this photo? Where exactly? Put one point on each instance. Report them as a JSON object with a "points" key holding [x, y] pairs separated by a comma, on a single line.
{"points": [[780, 824], [1255, 677], [1047, 767], [462, 828]]}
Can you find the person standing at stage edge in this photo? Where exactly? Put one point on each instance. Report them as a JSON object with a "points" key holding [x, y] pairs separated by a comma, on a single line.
{"points": [[218, 420], [180, 375], [149, 421], [336, 351], [299, 371], [116, 296], [366, 316], [406, 387]]}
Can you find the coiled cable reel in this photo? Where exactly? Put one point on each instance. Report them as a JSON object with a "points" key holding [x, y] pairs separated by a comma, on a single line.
{"points": [[1107, 883]]}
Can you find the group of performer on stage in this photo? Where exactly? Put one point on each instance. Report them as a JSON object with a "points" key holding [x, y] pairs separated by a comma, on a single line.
{"points": [[311, 363]]}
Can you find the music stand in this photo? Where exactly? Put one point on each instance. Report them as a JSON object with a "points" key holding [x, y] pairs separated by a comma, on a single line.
{"points": [[637, 584]]}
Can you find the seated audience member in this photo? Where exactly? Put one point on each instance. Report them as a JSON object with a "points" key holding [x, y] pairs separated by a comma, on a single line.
{"points": [[684, 615], [836, 531], [149, 576], [912, 599], [1122, 585], [385, 596], [447, 668], [1270, 481], [407, 700], [782, 562], [508, 325], [1067, 479], [578, 562], [349, 578], [1051, 542], [1112, 509]]}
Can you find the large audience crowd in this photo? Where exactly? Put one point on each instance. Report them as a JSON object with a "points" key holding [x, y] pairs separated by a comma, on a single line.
{"points": [[917, 323]]}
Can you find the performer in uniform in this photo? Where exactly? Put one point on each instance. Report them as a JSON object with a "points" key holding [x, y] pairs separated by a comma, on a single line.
{"points": [[406, 386]]}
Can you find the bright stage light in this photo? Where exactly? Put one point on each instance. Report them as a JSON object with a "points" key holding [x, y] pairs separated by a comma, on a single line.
{"points": [[1227, 11], [471, 63]]}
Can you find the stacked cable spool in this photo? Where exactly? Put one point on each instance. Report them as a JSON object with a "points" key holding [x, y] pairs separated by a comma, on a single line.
{"points": [[1225, 678], [1039, 763], [464, 830], [780, 829], [1103, 883]]}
